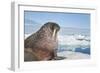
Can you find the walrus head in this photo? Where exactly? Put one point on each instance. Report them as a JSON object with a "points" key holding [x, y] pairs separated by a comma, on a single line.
{"points": [[52, 27]]}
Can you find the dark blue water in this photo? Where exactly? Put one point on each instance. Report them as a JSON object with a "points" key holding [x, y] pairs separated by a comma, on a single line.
{"points": [[86, 50]]}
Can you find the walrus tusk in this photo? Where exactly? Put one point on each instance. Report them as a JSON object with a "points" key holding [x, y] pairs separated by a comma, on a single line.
{"points": [[54, 32]]}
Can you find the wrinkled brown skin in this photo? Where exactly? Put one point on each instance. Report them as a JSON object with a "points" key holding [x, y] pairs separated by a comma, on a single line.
{"points": [[41, 45]]}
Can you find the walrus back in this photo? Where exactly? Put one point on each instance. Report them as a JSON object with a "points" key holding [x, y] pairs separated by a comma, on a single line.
{"points": [[29, 42]]}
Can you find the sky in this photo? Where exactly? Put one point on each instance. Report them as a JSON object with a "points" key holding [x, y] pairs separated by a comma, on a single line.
{"points": [[75, 20]]}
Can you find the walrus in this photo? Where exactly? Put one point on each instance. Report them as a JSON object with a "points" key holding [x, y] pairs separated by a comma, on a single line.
{"points": [[43, 44]]}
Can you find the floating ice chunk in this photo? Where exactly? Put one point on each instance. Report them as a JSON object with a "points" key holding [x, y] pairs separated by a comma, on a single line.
{"points": [[80, 37], [73, 40]]}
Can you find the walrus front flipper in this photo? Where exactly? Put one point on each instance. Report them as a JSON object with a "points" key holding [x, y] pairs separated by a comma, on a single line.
{"points": [[59, 58]]}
